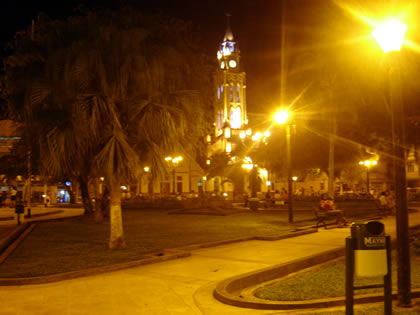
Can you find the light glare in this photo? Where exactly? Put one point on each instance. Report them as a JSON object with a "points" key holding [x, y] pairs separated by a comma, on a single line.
{"points": [[281, 116], [390, 35]]}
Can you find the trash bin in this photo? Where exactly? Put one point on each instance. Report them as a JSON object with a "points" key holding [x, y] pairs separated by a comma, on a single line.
{"points": [[370, 253]]}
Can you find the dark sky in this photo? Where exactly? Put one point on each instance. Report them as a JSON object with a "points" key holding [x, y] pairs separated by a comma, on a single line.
{"points": [[256, 24]]}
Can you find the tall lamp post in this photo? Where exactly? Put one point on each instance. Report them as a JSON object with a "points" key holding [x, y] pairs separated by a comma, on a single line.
{"points": [[368, 164], [282, 117], [390, 37], [173, 162]]}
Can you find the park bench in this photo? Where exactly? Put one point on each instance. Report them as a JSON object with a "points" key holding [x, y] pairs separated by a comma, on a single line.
{"points": [[323, 216], [383, 210]]}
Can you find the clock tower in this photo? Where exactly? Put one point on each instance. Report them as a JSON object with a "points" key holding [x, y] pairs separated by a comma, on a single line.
{"points": [[230, 108]]}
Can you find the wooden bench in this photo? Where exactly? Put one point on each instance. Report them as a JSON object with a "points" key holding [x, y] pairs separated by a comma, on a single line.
{"points": [[322, 216]]}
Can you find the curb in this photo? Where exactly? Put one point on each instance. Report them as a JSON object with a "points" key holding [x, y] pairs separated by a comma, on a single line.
{"points": [[8, 245], [250, 238], [169, 254], [229, 290]]}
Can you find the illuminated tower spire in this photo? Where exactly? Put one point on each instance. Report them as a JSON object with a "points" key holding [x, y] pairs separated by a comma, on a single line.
{"points": [[228, 35], [231, 92]]}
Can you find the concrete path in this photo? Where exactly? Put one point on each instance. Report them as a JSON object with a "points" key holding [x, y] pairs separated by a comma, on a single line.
{"points": [[39, 213], [184, 286]]}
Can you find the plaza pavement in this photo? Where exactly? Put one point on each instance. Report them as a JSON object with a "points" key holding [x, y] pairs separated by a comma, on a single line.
{"points": [[183, 286]]}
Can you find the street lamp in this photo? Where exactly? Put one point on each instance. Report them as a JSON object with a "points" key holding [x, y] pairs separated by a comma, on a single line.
{"points": [[173, 163], [282, 117], [390, 36], [368, 164]]}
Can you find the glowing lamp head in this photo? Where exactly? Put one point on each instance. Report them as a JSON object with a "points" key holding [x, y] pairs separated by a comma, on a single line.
{"points": [[248, 166], [390, 35], [177, 159], [257, 136], [146, 169], [282, 116], [294, 178], [368, 163]]}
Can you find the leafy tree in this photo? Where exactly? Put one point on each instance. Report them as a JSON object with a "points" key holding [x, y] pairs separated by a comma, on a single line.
{"points": [[128, 87]]}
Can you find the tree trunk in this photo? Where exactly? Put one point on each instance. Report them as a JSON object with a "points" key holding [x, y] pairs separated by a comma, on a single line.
{"points": [[83, 183], [116, 237], [98, 203]]}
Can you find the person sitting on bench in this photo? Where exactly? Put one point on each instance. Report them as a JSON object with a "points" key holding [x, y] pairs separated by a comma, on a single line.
{"points": [[327, 204]]}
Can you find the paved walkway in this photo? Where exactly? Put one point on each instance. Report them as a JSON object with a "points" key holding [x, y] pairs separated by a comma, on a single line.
{"points": [[184, 286], [39, 213]]}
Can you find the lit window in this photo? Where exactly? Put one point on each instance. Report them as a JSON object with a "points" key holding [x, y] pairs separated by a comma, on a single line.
{"points": [[218, 92], [235, 117], [231, 93], [237, 93], [228, 147]]}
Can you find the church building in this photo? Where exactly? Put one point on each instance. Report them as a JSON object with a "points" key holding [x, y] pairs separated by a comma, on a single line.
{"points": [[230, 112]]}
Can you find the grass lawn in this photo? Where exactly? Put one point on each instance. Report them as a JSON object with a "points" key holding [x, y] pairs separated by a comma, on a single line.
{"points": [[329, 281], [79, 243]]}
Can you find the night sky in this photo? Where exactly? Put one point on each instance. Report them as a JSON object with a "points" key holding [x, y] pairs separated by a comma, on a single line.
{"points": [[256, 25]]}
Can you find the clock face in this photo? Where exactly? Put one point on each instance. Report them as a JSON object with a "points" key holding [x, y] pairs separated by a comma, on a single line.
{"points": [[222, 65], [232, 63]]}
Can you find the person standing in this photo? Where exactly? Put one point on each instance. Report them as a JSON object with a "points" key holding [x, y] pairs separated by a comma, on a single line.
{"points": [[47, 200], [13, 193]]}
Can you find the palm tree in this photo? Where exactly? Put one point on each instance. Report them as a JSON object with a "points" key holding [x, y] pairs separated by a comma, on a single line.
{"points": [[127, 94]]}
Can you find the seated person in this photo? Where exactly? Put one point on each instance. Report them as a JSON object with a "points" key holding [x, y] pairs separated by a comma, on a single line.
{"points": [[327, 204], [383, 202], [268, 200], [390, 200], [285, 196]]}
